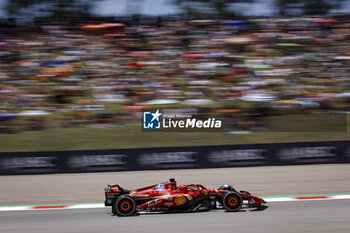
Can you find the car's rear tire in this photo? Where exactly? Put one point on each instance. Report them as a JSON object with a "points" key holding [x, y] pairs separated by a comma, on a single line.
{"points": [[124, 205], [232, 201]]}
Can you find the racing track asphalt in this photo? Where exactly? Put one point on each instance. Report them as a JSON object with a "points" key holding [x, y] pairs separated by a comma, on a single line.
{"points": [[316, 179], [326, 216]]}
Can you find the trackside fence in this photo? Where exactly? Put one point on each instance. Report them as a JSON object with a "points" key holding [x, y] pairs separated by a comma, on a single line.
{"points": [[22, 163]]}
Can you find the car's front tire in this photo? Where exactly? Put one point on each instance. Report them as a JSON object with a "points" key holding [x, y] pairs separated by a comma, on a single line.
{"points": [[232, 201], [124, 205]]}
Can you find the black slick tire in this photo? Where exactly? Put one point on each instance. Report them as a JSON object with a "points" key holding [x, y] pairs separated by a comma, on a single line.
{"points": [[123, 206], [232, 201]]}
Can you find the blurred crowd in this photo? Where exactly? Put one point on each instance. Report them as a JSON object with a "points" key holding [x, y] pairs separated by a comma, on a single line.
{"points": [[101, 74]]}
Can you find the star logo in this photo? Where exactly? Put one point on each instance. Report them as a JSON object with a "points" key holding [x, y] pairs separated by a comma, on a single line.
{"points": [[151, 120], [156, 115]]}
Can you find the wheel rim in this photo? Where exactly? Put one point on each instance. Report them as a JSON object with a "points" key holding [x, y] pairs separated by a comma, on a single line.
{"points": [[125, 206], [232, 201]]}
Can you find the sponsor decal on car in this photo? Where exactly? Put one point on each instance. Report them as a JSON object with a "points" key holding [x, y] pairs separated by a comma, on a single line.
{"points": [[168, 204], [160, 187], [180, 200], [140, 196], [154, 203]]}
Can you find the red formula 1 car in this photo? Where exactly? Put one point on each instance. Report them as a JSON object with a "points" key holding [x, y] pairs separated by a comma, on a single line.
{"points": [[168, 197]]}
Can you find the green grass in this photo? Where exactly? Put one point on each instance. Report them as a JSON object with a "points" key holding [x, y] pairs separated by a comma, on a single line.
{"points": [[132, 137]]}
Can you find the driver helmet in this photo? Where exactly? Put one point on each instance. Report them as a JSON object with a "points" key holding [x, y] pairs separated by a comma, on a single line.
{"points": [[172, 183]]}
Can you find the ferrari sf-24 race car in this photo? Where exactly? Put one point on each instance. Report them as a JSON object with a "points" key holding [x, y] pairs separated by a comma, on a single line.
{"points": [[168, 197]]}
